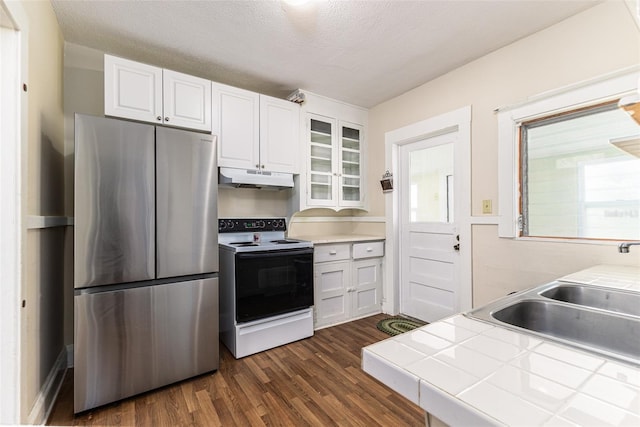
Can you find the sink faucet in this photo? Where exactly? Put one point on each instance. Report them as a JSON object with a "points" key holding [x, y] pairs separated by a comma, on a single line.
{"points": [[623, 248]]}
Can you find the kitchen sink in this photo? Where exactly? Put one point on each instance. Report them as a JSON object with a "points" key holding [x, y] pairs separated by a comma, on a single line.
{"points": [[603, 298], [600, 320]]}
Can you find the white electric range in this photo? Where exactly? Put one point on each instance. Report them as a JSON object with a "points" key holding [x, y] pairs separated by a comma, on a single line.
{"points": [[266, 285]]}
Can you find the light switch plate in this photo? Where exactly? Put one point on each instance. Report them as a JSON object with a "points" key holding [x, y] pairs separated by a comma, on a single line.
{"points": [[486, 207]]}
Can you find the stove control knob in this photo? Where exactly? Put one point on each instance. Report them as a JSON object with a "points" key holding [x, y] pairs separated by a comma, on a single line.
{"points": [[281, 223], [222, 225], [230, 225], [260, 224]]}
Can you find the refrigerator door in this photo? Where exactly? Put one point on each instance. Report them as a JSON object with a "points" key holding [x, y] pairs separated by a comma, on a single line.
{"points": [[114, 226], [132, 340], [187, 209]]}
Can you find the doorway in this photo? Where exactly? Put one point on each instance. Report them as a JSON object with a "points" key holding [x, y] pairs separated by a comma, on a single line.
{"points": [[11, 110], [430, 216]]}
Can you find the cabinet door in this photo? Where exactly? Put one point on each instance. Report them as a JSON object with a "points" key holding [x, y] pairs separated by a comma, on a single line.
{"points": [[279, 135], [366, 292], [331, 282], [350, 173], [236, 114], [321, 170], [132, 90], [187, 101]]}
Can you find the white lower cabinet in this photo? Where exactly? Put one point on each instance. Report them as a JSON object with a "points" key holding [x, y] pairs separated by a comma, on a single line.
{"points": [[347, 281], [331, 284], [366, 292]]}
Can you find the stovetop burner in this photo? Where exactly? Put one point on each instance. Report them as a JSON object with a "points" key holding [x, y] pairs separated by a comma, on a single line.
{"points": [[244, 244]]}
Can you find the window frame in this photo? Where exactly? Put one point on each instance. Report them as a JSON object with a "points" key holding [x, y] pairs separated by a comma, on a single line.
{"points": [[587, 94]]}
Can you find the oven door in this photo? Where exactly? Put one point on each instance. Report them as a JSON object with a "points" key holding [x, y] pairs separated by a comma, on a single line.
{"points": [[273, 282]]}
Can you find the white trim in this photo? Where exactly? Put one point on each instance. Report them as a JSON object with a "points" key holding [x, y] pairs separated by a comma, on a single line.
{"points": [[49, 391], [459, 121], [603, 80], [13, 118], [479, 220], [35, 221], [608, 87], [307, 219]]}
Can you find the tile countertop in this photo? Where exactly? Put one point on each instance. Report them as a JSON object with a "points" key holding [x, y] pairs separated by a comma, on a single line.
{"points": [[471, 373], [339, 238]]}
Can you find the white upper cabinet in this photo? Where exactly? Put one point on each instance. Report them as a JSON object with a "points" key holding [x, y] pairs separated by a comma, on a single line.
{"points": [[236, 115], [255, 131], [132, 90], [187, 100], [333, 155], [143, 92], [279, 135], [334, 164]]}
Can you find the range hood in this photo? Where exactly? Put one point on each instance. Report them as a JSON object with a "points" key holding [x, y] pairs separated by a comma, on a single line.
{"points": [[243, 178]]}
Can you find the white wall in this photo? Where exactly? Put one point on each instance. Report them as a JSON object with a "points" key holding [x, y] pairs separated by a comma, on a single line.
{"points": [[602, 39]]}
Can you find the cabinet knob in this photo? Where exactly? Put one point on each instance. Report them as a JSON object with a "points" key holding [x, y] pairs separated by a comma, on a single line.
{"points": [[166, 119], [257, 166], [332, 252], [159, 118], [369, 249], [262, 166]]}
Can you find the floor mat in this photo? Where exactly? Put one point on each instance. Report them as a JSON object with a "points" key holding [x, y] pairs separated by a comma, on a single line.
{"points": [[398, 325]]}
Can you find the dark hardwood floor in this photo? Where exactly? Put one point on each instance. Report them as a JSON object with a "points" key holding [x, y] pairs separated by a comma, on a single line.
{"points": [[315, 382]]}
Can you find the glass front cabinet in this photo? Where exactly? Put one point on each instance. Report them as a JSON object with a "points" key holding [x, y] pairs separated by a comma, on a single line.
{"points": [[335, 163]]}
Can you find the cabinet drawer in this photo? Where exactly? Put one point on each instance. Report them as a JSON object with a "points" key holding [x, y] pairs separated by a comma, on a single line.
{"points": [[337, 252], [368, 250]]}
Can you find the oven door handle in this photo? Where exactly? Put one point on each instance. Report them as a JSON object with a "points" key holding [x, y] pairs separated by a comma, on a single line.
{"points": [[274, 253]]}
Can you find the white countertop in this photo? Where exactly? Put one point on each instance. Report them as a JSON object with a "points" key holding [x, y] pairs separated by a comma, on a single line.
{"points": [[467, 372], [339, 238]]}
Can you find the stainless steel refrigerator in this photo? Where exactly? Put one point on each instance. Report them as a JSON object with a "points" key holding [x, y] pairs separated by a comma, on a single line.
{"points": [[146, 258]]}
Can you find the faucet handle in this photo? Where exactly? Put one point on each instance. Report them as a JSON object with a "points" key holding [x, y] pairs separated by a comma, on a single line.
{"points": [[623, 247]]}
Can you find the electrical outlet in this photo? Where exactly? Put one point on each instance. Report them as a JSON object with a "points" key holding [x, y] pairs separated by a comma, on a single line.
{"points": [[486, 207]]}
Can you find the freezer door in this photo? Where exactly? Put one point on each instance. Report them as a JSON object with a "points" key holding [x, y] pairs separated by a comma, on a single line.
{"points": [[133, 340], [187, 209], [114, 225]]}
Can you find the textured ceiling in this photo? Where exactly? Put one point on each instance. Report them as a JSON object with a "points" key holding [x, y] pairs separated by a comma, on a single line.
{"points": [[361, 52]]}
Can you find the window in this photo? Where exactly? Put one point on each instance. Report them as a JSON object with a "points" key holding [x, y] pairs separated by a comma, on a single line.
{"points": [[565, 163], [575, 182]]}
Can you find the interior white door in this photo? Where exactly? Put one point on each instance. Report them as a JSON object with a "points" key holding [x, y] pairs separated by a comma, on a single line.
{"points": [[429, 241]]}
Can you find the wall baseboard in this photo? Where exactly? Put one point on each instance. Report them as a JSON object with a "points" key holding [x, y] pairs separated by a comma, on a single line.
{"points": [[49, 391]]}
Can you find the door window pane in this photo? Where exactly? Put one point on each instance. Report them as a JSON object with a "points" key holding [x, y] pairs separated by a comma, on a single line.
{"points": [[431, 184]]}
